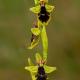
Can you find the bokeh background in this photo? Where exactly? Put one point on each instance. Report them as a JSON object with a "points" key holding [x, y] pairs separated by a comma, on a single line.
{"points": [[63, 33]]}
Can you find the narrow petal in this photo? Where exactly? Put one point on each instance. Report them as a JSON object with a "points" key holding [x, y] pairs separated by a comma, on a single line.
{"points": [[49, 69], [35, 9], [35, 31]]}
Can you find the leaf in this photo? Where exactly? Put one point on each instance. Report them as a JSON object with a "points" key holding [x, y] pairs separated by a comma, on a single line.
{"points": [[35, 31], [38, 57], [32, 69], [35, 9], [49, 69], [49, 8], [44, 42]]}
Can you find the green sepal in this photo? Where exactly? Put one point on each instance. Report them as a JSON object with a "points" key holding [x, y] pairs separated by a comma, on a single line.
{"points": [[49, 8], [35, 31], [35, 9], [32, 69], [49, 69]]}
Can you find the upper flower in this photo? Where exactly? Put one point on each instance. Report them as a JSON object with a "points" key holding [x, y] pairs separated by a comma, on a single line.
{"points": [[43, 11]]}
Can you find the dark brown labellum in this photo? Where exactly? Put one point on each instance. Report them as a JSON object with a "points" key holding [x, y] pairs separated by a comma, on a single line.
{"points": [[43, 15], [41, 75]]}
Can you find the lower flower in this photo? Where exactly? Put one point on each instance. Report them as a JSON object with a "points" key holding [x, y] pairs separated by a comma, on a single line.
{"points": [[40, 71]]}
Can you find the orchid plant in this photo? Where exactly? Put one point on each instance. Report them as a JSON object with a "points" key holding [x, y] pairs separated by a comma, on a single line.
{"points": [[43, 13]]}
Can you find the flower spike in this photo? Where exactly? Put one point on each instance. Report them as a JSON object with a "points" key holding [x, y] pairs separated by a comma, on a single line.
{"points": [[43, 12]]}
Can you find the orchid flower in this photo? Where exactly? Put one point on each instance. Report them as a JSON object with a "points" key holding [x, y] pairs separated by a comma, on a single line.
{"points": [[40, 63], [43, 11]]}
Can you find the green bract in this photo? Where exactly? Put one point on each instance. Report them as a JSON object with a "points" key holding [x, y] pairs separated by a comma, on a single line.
{"points": [[44, 42]]}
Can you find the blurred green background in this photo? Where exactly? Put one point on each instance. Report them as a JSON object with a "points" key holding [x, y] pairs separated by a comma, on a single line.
{"points": [[63, 33]]}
